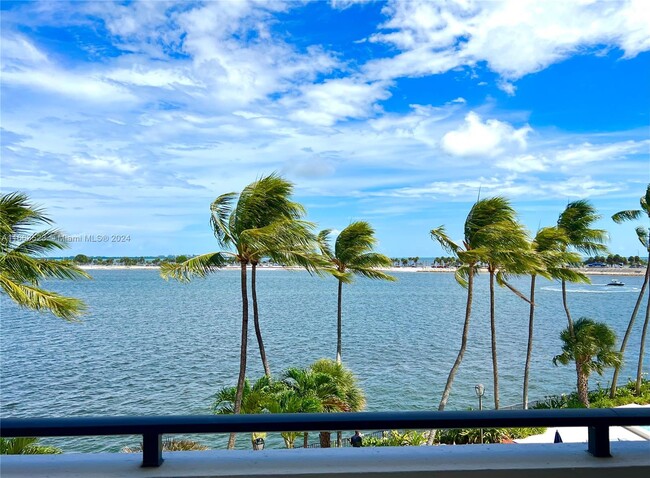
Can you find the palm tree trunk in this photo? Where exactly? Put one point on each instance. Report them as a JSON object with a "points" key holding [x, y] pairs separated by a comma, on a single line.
{"points": [[583, 386], [242, 354], [256, 320], [566, 308], [461, 352], [339, 439], [639, 369], [628, 332], [325, 439], [305, 440], [529, 350], [493, 333], [339, 324]]}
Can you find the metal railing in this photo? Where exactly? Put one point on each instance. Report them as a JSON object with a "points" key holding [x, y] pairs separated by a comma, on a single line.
{"points": [[152, 429]]}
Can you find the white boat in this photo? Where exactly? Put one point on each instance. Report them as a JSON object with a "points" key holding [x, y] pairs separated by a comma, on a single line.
{"points": [[616, 282]]}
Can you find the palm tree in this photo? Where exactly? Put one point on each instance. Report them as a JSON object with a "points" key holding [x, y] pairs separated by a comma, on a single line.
{"points": [[575, 222], [508, 252], [549, 245], [590, 345], [255, 399], [319, 388], [353, 254], [264, 222], [22, 265], [288, 400], [487, 222], [643, 235], [348, 385]]}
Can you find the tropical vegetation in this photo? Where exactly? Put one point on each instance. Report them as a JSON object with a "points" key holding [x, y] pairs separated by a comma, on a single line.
{"points": [[323, 387], [23, 265], [590, 345], [262, 221], [26, 446]]}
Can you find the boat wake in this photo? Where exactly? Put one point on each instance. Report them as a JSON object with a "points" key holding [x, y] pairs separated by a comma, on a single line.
{"points": [[594, 289]]}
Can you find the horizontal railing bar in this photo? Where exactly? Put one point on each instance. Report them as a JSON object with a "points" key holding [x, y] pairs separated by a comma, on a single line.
{"points": [[139, 425]]}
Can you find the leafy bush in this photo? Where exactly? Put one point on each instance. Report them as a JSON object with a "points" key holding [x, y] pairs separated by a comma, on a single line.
{"points": [[395, 438], [25, 446], [171, 444], [600, 398], [464, 436]]}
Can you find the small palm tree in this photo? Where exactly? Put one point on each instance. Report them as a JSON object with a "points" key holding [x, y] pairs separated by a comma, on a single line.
{"points": [[318, 388], [254, 400], [643, 235], [353, 255], [576, 223], [550, 246], [591, 346], [22, 265], [348, 385]]}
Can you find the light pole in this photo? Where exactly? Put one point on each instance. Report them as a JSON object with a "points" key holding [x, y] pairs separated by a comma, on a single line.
{"points": [[480, 391]]}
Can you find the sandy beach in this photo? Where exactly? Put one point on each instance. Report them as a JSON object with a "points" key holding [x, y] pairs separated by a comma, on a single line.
{"points": [[592, 271]]}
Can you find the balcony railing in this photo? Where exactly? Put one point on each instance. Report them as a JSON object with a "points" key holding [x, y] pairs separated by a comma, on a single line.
{"points": [[152, 429]]}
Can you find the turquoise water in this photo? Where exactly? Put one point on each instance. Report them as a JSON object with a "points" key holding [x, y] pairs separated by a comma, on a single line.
{"points": [[150, 347]]}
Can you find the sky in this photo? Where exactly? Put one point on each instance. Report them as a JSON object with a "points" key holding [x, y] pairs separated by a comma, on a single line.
{"points": [[124, 120]]}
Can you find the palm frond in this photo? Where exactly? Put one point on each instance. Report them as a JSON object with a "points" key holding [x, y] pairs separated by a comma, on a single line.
{"points": [[220, 215], [356, 239], [440, 235], [629, 215], [34, 298], [323, 239], [198, 266], [642, 234]]}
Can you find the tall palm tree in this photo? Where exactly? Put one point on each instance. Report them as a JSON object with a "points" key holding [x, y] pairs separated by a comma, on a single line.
{"points": [[22, 265], [353, 255], [576, 223], [643, 234], [263, 222], [508, 252], [347, 384], [590, 345], [549, 245], [487, 222]]}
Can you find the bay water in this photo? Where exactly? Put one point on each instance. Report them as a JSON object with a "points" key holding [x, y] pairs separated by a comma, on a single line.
{"points": [[151, 347]]}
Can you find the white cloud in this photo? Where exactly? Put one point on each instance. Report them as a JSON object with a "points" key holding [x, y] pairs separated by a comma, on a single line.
{"points": [[524, 163], [335, 100], [514, 37], [478, 138], [105, 164], [588, 153]]}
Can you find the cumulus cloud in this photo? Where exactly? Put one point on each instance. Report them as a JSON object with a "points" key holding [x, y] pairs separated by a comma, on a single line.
{"points": [[476, 137], [514, 37]]}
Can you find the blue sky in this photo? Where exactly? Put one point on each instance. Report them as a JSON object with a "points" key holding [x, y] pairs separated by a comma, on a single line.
{"points": [[129, 118]]}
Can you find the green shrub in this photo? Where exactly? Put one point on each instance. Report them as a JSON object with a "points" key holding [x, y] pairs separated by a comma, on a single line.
{"points": [[599, 398]]}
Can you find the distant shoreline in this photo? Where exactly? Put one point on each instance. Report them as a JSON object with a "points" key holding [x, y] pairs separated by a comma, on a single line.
{"points": [[601, 271]]}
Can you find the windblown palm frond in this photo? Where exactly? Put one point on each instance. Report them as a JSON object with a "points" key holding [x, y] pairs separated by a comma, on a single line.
{"points": [[198, 266], [22, 266]]}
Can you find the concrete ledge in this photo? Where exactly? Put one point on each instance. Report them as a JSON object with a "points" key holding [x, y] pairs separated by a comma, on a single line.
{"points": [[630, 459]]}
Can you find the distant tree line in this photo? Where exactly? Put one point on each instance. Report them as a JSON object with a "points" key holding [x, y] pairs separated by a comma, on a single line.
{"points": [[616, 259]]}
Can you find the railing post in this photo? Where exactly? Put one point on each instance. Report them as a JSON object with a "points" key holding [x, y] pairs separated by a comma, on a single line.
{"points": [[152, 450], [599, 441]]}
